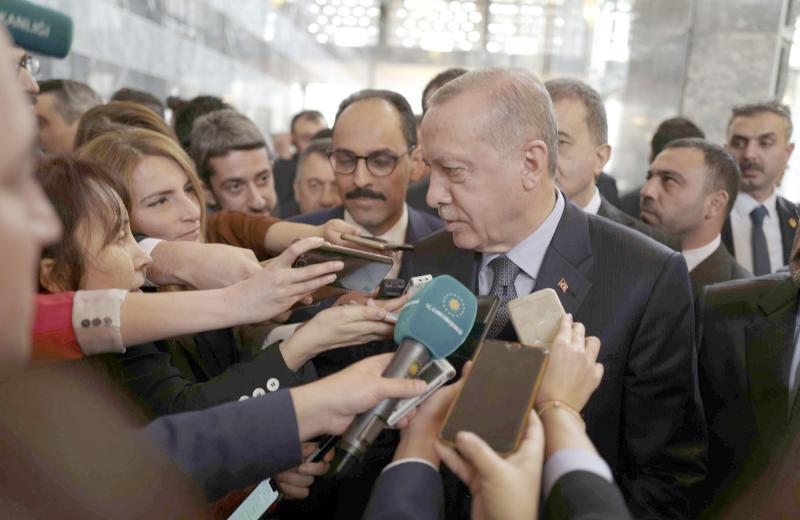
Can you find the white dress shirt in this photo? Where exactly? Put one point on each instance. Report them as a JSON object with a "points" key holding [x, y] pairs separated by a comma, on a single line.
{"points": [[742, 228], [695, 257], [395, 234], [594, 205], [528, 254]]}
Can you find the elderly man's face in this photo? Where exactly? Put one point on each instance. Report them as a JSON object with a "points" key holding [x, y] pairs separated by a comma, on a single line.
{"points": [[477, 190]]}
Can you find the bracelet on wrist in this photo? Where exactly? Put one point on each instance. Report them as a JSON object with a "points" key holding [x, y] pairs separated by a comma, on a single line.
{"points": [[553, 404]]}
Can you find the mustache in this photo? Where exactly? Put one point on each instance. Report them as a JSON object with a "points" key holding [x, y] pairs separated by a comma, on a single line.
{"points": [[747, 164], [364, 193]]}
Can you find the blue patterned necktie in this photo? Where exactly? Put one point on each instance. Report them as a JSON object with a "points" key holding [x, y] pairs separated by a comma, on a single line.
{"points": [[505, 272]]}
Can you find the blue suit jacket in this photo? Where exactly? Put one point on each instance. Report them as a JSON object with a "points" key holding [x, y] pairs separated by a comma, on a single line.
{"points": [[414, 490], [420, 225], [634, 294]]}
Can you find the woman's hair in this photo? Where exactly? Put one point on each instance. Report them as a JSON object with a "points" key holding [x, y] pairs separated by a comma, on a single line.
{"points": [[122, 151], [82, 192], [118, 115]]}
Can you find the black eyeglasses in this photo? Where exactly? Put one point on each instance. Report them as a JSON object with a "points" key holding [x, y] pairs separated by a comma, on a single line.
{"points": [[29, 63], [379, 164]]}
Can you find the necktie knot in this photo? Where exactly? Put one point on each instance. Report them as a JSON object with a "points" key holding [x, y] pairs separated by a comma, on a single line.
{"points": [[505, 271], [758, 215]]}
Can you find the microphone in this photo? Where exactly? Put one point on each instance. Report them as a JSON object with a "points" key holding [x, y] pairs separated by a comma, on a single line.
{"points": [[432, 325], [37, 29]]}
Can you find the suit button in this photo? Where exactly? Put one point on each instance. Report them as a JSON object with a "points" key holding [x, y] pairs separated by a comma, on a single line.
{"points": [[107, 321], [85, 323], [244, 398], [273, 384], [96, 322], [258, 392]]}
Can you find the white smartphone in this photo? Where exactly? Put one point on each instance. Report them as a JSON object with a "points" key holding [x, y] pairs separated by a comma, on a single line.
{"points": [[536, 317], [435, 374], [258, 502]]}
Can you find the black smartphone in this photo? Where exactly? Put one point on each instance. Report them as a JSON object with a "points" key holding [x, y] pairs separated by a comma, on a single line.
{"points": [[498, 394], [487, 310], [391, 288], [376, 243], [362, 271]]}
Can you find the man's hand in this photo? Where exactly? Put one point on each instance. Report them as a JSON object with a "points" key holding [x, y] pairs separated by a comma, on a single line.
{"points": [[501, 488], [572, 373], [278, 286], [201, 266], [330, 404], [294, 483]]}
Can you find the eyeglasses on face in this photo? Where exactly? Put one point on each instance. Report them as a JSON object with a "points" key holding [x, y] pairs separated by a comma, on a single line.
{"points": [[380, 163], [29, 63]]}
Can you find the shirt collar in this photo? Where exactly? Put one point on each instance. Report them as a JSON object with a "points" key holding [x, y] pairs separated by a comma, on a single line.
{"points": [[395, 234], [529, 253], [594, 204], [695, 257], [745, 204]]}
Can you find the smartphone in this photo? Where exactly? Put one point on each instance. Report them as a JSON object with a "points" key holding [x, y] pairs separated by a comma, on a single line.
{"points": [[536, 317], [435, 374], [362, 271], [487, 310], [391, 288], [325, 445], [258, 502], [497, 395], [376, 243]]}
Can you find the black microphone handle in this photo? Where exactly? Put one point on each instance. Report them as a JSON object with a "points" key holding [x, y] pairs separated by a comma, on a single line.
{"points": [[409, 359]]}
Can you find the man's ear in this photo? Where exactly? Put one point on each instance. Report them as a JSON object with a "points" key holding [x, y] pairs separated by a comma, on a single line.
{"points": [[535, 168], [717, 203], [602, 154], [211, 200], [46, 278]]}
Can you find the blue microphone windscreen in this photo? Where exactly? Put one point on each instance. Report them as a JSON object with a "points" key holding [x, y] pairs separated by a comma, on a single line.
{"points": [[439, 316], [36, 28]]}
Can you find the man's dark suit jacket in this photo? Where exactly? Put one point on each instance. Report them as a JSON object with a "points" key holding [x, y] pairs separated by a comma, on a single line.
{"points": [[787, 217], [414, 490], [634, 294], [415, 196], [607, 185], [611, 212], [199, 371], [745, 345], [720, 267], [629, 203], [284, 172]]}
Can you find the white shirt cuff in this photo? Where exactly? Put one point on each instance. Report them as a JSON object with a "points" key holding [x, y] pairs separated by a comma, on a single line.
{"points": [[569, 460], [96, 317], [280, 333], [148, 245], [410, 459]]}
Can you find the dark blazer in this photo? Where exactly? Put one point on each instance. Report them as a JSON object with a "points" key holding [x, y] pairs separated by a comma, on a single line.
{"points": [[420, 225], [629, 203], [787, 217], [721, 266], [745, 342], [177, 376], [233, 445], [634, 294], [415, 196], [608, 188], [611, 212], [284, 172], [414, 490]]}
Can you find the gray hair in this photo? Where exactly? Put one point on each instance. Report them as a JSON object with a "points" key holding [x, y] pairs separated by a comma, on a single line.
{"points": [[773, 107], [73, 98], [521, 108], [220, 132], [596, 121]]}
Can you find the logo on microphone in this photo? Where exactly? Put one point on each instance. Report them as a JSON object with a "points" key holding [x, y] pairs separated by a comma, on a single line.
{"points": [[453, 305]]}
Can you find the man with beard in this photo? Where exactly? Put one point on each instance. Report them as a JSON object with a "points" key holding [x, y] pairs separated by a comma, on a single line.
{"points": [[690, 189], [748, 361], [762, 224], [373, 136]]}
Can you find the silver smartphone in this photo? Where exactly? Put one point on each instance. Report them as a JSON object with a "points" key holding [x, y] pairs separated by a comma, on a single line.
{"points": [[435, 374]]}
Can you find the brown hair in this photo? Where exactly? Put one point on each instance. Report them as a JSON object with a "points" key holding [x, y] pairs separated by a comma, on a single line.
{"points": [[122, 151], [80, 191], [117, 115]]}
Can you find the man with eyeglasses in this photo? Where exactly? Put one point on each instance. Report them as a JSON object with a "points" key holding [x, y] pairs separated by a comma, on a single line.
{"points": [[373, 136], [27, 68]]}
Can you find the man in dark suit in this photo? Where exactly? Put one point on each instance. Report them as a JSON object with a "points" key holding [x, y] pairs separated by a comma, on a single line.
{"points": [[303, 127], [747, 364], [762, 225], [669, 130], [583, 151], [373, 135], [689, 193], [489, 138]]}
